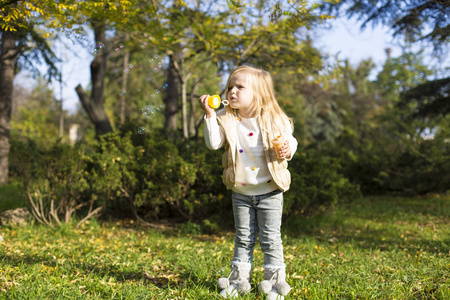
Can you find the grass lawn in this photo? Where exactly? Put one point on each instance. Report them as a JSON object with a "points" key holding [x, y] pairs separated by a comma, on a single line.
{"points": [[374, 248]]}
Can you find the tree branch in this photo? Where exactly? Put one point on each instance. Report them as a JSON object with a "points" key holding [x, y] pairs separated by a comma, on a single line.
{"points": [[168, 200], [54, 213], [89, 215], [134, 209], [6, 3], [85, 101]]}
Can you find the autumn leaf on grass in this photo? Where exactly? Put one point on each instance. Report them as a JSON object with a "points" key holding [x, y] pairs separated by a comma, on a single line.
{"points": [[162, 280]]}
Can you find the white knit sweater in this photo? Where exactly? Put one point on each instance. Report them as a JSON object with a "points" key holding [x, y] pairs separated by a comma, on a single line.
{"points": [[252, 174]]}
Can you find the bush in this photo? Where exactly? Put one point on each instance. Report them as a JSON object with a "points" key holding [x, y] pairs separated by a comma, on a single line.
{"points": [[190, 228], [398, 161], [24, 159], [209, 197], [317, 183], [55, 182], [143, 172], [10, 195], [153, 178]]}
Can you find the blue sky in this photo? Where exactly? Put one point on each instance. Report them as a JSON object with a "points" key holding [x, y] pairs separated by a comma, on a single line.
{"points": [[344, 39], [347, 40]]}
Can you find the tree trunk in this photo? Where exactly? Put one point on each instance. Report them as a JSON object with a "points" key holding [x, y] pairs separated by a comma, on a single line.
{"points": [[192, 100], [184, 81], [123, 102], [61, 108], [94, 104], [170, 125], [183, 109], [7, 62]]}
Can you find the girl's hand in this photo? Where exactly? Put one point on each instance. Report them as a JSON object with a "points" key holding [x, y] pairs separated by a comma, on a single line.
{"points": [[285, 151], [203, 100]]}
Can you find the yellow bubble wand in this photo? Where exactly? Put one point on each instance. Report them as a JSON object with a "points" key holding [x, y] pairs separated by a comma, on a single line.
{"points": [[214, 101]]}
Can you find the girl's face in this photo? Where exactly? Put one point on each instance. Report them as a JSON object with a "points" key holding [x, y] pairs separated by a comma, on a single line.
{"points": [[240, 95]]}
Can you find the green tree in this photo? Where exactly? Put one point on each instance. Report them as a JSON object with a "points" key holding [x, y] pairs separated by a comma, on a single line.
{"points": [[25, 27], [429, 99], [37, 119], [196, 40], [337, 101], [414, 21], [425, 20], [386, 151], [17, 20], [400, 74]]}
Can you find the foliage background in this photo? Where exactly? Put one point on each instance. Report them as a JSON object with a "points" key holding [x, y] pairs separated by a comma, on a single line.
{"points": [[357, 136]]}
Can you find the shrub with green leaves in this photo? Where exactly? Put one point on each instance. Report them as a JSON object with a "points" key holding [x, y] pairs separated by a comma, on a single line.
{"points": [[317, 182], [55, 181], [153, 178], [209, 200], [394, 158], [143, 172], [25, 157]]}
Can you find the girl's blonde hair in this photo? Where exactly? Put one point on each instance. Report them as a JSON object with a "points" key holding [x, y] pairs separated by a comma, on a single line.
{"points": [[270, 116]]}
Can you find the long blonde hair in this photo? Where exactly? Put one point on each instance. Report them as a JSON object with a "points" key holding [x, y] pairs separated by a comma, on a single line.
{"points": [[270, 115]]}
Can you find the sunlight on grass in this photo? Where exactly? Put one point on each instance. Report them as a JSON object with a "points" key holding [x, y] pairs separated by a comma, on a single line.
{"points": [[375, 248]]}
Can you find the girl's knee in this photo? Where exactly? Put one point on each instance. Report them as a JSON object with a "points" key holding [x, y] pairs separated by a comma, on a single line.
{"points": [[267, 246], [245, 243]]}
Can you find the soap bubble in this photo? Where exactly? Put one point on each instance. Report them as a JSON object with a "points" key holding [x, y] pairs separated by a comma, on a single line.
{"points": [[165, 86], [148, 115], [156, 94], [128, 68], [141, 130], [119, 47], [98, 48], [160, 107], [144, 44], [156, 63], [149, 111], [122, 93], [154, 59]]}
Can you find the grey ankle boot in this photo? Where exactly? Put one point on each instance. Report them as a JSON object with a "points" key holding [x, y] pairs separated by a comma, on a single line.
{"points": [[237, 282], [274, 284]]}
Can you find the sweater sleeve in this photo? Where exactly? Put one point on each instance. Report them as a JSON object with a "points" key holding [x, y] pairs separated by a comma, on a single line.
{"points": [[214, 134], [293, 144]]}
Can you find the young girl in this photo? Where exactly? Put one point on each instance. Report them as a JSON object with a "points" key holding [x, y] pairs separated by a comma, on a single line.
{"points": [[254, 173]]}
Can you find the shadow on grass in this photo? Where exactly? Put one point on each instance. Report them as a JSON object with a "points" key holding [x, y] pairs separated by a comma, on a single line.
{"points": [[169, 276], [384, 224], [161, 279]]}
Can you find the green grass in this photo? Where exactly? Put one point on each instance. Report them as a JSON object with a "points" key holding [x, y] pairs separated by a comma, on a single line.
{"points": [[10, 197], [374, 248]]}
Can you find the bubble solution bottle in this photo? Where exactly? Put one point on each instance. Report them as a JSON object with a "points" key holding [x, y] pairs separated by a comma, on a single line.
{"points": [[214, 101]]}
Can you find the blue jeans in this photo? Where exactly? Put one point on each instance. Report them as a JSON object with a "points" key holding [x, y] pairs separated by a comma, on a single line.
{"points": [[263, 213]]}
